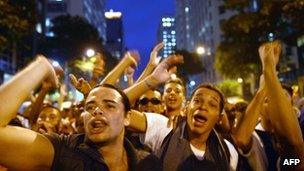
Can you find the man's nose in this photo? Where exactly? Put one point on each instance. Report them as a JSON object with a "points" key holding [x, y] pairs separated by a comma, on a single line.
{"points": [[203, 106], [97, 111]]}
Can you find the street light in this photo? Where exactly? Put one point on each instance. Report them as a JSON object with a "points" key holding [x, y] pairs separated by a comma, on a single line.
{"points": [[55, 63], [200, 50], [240, 80], [90, 52], [192, 83]]}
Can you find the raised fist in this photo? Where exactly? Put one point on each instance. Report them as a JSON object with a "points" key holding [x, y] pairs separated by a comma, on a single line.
{"points": [[81, 85]]}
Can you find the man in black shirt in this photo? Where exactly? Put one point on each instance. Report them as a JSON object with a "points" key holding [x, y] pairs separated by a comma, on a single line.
{"points": [[102, 147]]}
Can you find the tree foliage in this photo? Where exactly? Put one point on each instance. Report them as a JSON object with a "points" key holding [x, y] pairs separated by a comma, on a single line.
{"points": [[17, 20], [72, 36], [237, 55], [192, 64], [230, 88]]}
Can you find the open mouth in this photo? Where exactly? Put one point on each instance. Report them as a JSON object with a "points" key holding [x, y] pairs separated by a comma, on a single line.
{"points": [[97, 126], [42, 129], [199, 120], [172, 100]]}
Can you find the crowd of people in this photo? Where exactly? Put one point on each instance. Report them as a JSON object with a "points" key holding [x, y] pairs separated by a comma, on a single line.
{"points": [[144, 128]]}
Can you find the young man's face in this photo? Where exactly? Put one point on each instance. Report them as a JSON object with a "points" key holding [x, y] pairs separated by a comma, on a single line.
{"points": [[50, 116], [203, 111], [150, 102], [173, 96], [104, 115]]}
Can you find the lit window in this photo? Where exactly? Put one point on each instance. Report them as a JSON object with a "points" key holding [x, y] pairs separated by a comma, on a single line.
{"points": [[173, 32], [47, 22], [38, 28], [187, 9], [203, 29], [50, 34]]}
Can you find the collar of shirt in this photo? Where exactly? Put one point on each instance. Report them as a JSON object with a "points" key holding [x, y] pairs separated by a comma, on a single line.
{"points": [[90, 149]]}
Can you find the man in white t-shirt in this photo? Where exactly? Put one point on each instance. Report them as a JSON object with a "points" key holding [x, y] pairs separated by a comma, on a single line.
{"points": [[193, 144]]}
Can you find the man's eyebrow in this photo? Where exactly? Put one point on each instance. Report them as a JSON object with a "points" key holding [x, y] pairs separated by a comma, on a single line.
{"points": [[108, 100], [90, 102], [199, 94], [214, 98], [210, 96]]}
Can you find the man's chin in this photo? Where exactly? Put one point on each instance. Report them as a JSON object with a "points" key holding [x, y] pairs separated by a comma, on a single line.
{"points": [[173, 106], [198, 130], [97, 138]]}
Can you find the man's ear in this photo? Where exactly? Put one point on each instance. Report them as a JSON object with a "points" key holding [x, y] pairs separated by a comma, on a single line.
{"points": [[221, 117], [186, 109], [127, 119]]}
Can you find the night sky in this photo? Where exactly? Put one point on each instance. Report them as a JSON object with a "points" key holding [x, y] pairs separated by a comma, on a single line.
{"points": [[140, 22]]}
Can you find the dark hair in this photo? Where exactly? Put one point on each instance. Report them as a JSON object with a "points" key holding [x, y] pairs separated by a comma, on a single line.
{"points": [[125, 99], [211, 87]]}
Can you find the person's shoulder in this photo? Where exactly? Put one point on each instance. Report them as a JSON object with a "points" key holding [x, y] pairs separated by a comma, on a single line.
{"points": [[66, 140]]}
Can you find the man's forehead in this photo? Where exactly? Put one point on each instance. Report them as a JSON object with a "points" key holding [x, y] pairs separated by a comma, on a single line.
{"points": [[206, 91], [151, 94], [104, 93], [173, 85]]}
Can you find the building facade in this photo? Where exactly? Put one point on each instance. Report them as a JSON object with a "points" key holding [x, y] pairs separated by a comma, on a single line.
{"points": [[114, 34], [198, 27], [92, 10], [166, 33]]}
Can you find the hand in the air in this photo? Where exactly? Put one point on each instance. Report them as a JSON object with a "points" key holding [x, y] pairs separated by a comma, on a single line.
{"points": [[81, 85]]}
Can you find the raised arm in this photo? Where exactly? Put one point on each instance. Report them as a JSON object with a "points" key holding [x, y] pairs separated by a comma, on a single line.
{"points": [[130, 58], [37, 105], [24, 149], [160, 75], [242, 134], [98, 70], [280, 111], [14, 92], [129, 73], [153, 62], [81, 85]]}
